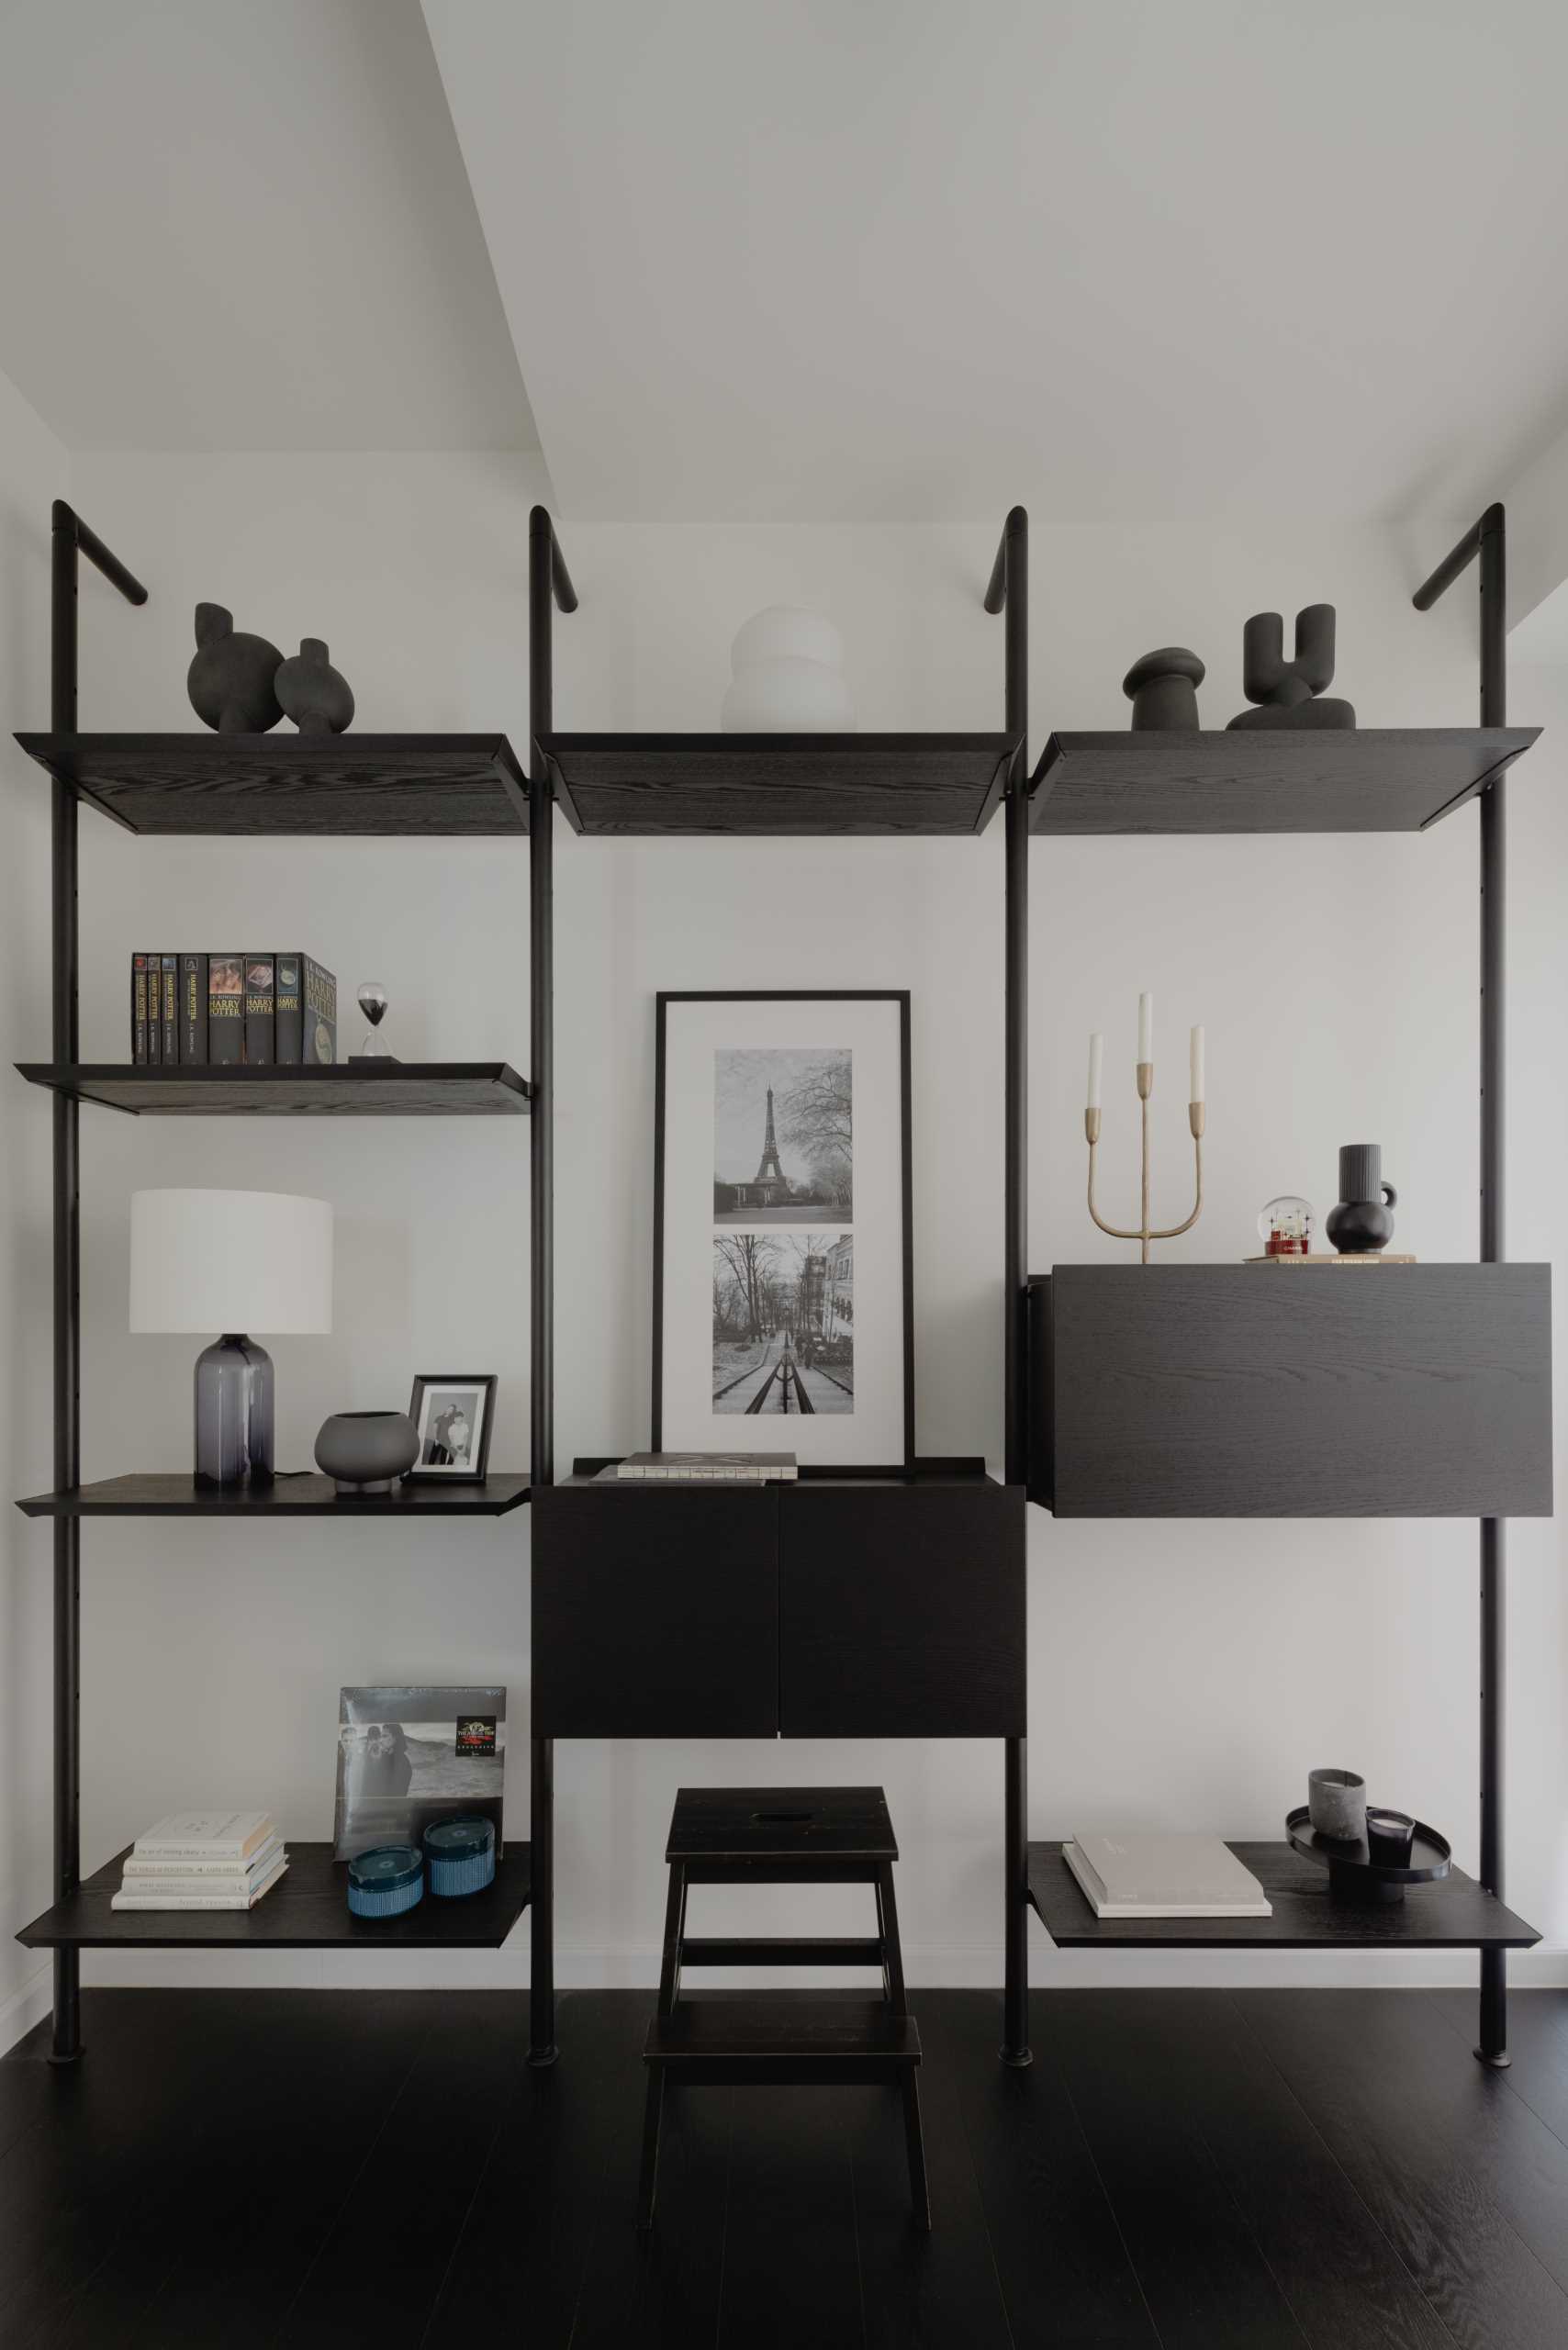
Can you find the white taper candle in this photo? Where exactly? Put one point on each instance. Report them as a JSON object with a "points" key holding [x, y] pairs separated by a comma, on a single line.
{"points": [[1196, 1091], [1096, 1062], [1145, 1027]]}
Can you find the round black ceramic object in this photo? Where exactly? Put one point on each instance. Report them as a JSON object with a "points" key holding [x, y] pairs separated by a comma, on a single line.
{"points": [[1162, 690], [364, 1450], [1354, 1875], [231, 681], [318, 698]]}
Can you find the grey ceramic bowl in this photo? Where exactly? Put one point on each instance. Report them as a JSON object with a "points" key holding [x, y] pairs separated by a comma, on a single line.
{"points": [[1336, 1804], [364, 1451]]}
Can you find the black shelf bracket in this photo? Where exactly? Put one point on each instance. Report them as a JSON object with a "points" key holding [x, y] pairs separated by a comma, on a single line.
{"points": [[71, 538], [1008, 593], [1486, 542], [549, 584]]}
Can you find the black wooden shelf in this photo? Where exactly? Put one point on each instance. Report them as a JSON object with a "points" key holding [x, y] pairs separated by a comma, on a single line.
{"points": [[1370, 779], [1453, 1914], [1291, 1390], [307, 1909], [436, 784], [805, 785], [177, 1495], [376, 1089]]}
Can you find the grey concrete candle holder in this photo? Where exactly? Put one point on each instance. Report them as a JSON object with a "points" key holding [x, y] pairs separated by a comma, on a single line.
{"points": [[1336, 1804]]}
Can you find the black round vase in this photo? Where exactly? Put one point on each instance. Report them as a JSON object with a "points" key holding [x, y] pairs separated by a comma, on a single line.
{"points": [[364, 1451], [1362, 1224], [312, 692]]}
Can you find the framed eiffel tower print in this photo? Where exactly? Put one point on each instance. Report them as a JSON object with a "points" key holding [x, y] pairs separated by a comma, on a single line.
{"points": [[782, 1238]]}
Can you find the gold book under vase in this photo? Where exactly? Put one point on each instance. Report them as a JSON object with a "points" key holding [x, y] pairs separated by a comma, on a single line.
{"points": [[1371, 1258]]}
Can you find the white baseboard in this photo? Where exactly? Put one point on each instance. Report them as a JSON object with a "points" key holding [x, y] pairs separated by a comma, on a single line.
{"points": [[27, 2007]]}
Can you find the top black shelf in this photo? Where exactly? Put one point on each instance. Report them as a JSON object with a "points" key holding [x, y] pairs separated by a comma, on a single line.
{"points": [[304, 785], [1366, 779], [804, 785]]}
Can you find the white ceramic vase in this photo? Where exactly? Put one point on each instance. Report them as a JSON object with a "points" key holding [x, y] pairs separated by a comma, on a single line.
{"points": [[787, 676]]}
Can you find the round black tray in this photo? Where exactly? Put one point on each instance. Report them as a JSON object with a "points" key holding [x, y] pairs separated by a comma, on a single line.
{"points": [[1354, 1875]]}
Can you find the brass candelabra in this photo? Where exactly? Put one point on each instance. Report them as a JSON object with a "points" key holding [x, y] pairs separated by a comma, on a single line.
{"points": [[1144, 1232]]}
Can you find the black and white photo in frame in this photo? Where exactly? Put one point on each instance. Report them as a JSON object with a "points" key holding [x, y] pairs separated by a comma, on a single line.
{"points": [[782, 1240], [452, 1413]]}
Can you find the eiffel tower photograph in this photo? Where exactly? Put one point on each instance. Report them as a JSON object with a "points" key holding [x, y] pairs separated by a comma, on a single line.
{"points": [[783, 1136]]}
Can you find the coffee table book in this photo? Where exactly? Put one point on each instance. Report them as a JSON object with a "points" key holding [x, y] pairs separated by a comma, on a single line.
{"points": [[135, 1893], [1164, 1877]]}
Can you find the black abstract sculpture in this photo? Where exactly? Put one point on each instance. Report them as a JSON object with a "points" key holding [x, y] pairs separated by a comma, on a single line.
{"points": [[312, 692], [1361, 1223], [1288, 691], [230, 681], [1162, 690]]}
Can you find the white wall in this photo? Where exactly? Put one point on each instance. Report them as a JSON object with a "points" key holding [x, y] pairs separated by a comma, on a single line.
{"points": [[1179, 1674], [33, 470]]}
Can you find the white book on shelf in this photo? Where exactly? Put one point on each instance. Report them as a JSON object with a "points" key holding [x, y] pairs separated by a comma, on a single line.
{"points": [[244, 1882], [193, 1873], [724, 1468], [1164, 1877], [141, 1900], [206, 1836]]}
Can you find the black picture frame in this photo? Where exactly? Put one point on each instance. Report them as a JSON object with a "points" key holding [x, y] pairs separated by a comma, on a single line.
{"points": [[900, 996], [480, 1459]]}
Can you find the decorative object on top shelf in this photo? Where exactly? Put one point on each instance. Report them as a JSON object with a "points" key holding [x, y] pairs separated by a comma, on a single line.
{"points": [[1286, 1228], [231, 1262], [372, 998], [315, 695], [1144, 1231], [1356, 1873], [411, 1756], [1361, 1223], [787, 676], [1336, 1803], [231, 680], [1162, 690], [452, 1412], [1289, 691], [364, 1451], [782, 1270]]}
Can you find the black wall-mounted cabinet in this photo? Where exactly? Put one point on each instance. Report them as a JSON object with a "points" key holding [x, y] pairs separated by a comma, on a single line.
{"points": [[1264, 1391], [831, 1608]]}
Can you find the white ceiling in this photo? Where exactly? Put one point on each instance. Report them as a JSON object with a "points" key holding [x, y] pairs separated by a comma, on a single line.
{"points": [[243, 224], [1130, 259]]}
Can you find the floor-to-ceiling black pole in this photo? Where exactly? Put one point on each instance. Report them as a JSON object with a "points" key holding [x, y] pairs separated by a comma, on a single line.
{"points": [[70, 537], [548, 584], [1008, 593], [1487, 539]]}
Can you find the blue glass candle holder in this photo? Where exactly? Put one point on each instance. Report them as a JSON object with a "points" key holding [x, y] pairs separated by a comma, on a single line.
{"points": [[385, 1882], [460, 1856]]}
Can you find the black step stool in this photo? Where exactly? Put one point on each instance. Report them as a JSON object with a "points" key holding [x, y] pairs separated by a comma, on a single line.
{"points": [[783, 1836]]}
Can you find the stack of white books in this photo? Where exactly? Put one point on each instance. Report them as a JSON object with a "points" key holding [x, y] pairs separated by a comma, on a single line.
{"points": [[716, 1468], [203, 1860], [1164, 1877]]}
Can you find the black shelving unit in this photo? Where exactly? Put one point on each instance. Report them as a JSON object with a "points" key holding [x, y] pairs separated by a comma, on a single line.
{"points": [[424, 786], [305, 1910], [768, 786], [376, 1089], [171, 1493], [1451, 1326]]}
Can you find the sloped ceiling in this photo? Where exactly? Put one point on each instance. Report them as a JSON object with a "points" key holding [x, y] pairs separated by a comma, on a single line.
{"points": [[243, 224], [1137, 260]]}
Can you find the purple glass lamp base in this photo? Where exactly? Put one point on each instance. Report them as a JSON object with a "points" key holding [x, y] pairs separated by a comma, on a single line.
{"points": [[234, 1412]]}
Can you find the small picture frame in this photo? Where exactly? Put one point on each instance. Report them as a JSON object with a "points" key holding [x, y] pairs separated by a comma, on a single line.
{"points": [[452, 1412]]}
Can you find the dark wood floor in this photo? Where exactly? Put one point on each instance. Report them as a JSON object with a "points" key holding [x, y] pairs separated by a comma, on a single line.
{"points": [[1196, 2169]]}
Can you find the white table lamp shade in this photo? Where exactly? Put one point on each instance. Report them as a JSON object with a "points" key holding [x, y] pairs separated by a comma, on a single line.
{"points": [[213, 1261]]}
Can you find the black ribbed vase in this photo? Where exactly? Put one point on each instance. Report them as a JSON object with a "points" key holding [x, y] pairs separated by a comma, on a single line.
{"points": [[1361, 1223]]}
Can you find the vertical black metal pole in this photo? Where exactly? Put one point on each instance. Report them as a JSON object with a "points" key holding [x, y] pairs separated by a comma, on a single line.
{"points": [[1492, 2045], [546, 580], [1487, 539], [67, 2041], [1009, 592]]}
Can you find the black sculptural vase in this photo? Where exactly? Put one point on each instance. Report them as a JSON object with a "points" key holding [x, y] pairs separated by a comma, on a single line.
{"points": [[1163, 690], [314, 694], [234, 1412], [1291, 693], [1361, 1223], [230, 681]]}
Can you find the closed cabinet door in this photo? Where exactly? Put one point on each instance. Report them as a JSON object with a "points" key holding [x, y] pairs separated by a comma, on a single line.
{"points": [[656, 1615], [901, 1611]]}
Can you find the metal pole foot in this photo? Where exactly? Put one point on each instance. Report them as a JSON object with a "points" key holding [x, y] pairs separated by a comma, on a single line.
{"points": [[543, 2058], [1018, 2058], [68, 2056], [1499, 2064]]}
